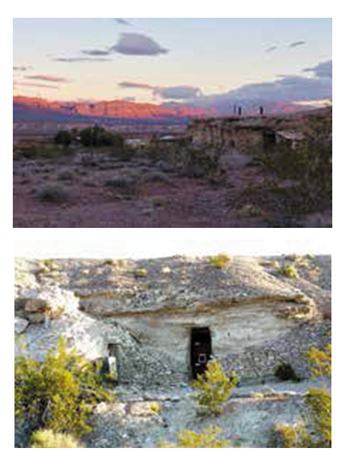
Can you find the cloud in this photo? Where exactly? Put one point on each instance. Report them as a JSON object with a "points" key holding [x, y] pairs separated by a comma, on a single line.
{"points": [[171, 92], [287, 89], [96, 52], [21, 68], [135, 44], [178, 92], [121, 21], [296, 44], [47, 78], [321, 70], [81, 60], [136, 85], [30, 84], [270, 49]]}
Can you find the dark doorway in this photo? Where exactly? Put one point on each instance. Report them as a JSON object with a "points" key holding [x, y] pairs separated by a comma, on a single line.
{"points": [[200, 350], [269, 138]]}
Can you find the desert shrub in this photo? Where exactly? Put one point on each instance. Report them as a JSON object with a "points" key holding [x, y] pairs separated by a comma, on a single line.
{"points": [[58, 393], [321, 361], [214, 388], [125, 183], [315, 430], [209, 438], [66, 175], [191, 161], [154, 407], [39, 150], [141, 272], [99, 137], [319, 402], [30, 150], [156, 177], [219, 261], [63, 137], [290, 436], [310, 164], [198, 162], [52, 193], [285, 371], [49, 439], [288, 271]]}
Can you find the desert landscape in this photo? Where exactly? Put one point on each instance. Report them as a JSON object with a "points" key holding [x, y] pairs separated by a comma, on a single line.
{"points": [[252, 154], [199, 352], [190, 178]]}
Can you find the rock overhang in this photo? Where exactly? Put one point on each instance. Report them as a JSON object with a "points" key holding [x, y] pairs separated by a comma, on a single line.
{"points": [[111, 287]]}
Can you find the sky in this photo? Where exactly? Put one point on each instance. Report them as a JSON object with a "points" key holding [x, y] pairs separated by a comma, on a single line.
{"points": [[155, 247], [197, 61]]}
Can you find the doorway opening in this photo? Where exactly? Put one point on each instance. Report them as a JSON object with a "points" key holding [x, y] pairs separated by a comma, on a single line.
{"points": [[200, 350], [269, 138]]}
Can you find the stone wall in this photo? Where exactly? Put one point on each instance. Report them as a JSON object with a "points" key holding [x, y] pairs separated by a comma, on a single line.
{"points": [[261, 361], [251, 339], [245, 135]]}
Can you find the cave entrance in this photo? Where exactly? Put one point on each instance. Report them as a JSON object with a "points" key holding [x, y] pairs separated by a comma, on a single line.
{"points": [[200, 350]]}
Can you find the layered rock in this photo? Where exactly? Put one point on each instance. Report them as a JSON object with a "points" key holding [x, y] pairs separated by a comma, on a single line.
{"points": [[143, 312]]}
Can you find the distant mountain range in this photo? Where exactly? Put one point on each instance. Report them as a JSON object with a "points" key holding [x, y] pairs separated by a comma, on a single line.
{"points": [[37, 109]]}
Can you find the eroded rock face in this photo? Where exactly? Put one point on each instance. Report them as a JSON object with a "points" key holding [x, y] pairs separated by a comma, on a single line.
{"points": [[48, 313], [142, 314], [38, 304]]}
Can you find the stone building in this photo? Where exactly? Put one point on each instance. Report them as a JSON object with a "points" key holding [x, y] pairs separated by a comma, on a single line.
{"points": [[162, 320], [246, 135]]}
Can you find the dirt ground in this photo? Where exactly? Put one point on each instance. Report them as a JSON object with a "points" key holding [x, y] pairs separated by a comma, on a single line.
{"points": [[247, 421], [148, 193]]}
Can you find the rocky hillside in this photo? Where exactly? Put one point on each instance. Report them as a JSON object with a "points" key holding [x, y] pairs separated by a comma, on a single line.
{"points": [[107, 287], [83, 299]]}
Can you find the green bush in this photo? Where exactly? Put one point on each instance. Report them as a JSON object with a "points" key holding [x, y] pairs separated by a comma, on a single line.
{"points": [[219, 261], [285, 371], [207, 439], [141, 273], [310, 164], [49, 439], [63, 137], [289, 271], [99, 137], [319, 401], [214, 388], [290, 436], [58, 393], [321, 361], [315, 430]]}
